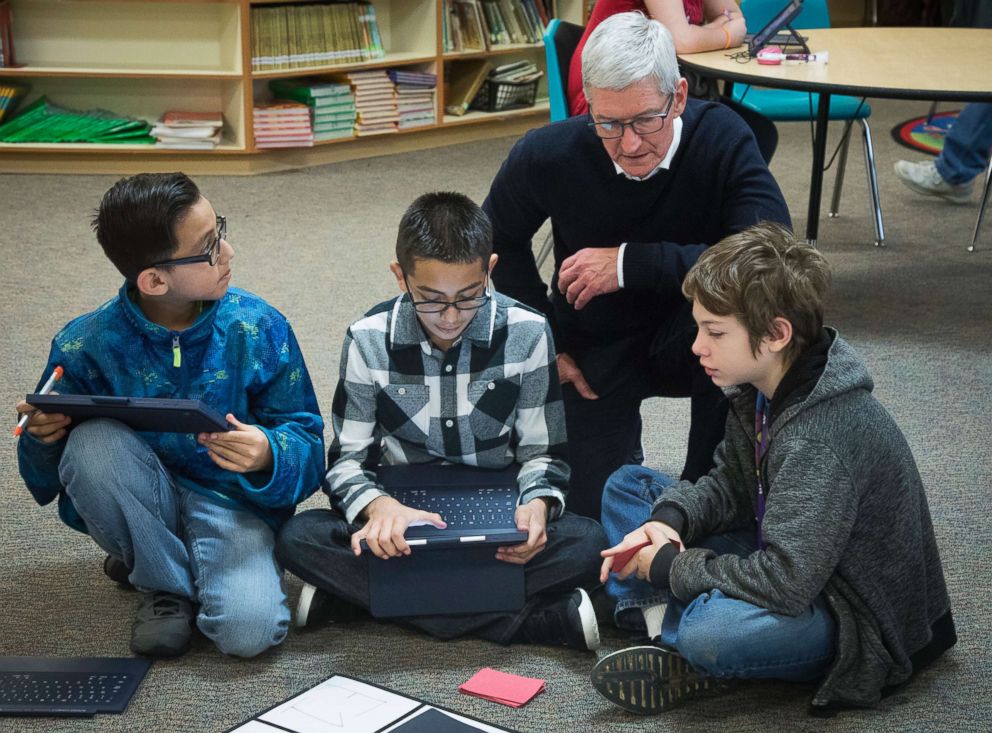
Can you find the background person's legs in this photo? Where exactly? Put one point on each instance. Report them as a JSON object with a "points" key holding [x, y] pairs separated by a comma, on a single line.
{"points": [[967, 145]]}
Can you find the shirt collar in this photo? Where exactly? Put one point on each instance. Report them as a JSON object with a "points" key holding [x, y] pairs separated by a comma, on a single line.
{"points": [[666, 161], [405, 329]]}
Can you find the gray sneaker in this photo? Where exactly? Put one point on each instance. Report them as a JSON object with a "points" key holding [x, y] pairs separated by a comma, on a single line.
{"points": [[163, 626], [923, 177], [649, 680]]}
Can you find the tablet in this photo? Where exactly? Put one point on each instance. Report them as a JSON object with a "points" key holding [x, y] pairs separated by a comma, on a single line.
{"points": [[151, 414], [782, 18]]}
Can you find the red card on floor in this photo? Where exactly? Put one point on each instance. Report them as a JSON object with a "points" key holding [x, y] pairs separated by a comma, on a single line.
{"points": [[506, 689]]}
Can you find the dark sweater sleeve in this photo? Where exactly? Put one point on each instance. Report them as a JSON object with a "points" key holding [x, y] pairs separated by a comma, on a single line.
{"points": [[516, 214], [748, 195]]}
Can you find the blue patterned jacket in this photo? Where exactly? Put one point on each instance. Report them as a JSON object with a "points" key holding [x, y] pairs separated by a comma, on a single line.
{"points": [[240, 356]]}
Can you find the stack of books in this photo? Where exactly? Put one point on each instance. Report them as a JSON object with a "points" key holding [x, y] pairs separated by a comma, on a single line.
{"points": [[182, 130], [11, 94], [332, 105], [283, 125], [480, 25], [44, 122], [375, 102], [414, 97], [298, 35]]}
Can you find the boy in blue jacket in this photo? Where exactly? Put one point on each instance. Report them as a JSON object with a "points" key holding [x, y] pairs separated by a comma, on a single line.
{"points": [[190, 518]]}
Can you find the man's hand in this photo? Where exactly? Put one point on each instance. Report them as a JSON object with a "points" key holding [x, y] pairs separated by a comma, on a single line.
{"points": [[657, 533], [531, 518], [386, 524], [569, 373], [244, 449], [46, 427], [589, 272]]}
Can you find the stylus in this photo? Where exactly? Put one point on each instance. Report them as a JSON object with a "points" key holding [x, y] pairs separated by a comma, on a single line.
{"points": [[23, 422]]}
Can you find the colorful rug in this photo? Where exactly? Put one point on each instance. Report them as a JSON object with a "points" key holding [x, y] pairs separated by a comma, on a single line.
{"points": [[923, 136]]}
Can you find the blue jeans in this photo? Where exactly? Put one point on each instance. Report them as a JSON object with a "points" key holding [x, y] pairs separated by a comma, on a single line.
{"points": [[176, 540], [967, 145], [717, 634]]}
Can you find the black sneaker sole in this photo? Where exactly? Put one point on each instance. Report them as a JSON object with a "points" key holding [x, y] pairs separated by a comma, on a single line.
{"points": [[648, 680]]}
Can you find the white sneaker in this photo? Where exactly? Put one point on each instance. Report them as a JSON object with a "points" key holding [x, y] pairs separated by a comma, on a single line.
{"points": [[923, 177]]}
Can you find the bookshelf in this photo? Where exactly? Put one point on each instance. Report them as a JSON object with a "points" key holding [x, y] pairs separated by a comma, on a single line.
{"points": [[142, 58]]}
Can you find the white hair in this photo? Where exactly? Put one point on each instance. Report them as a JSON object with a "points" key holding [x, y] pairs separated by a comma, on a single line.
{"points": [[626, 48]]}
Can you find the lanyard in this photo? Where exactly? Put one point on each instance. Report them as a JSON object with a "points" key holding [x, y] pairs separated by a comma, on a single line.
{"points": [[761, 439]]}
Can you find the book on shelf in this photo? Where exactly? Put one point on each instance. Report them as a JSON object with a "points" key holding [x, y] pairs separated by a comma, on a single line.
{"points": [[45, 122], [466, 79], [282, 124], [7, 57], [11, 94], [189, 130], [314, 34]]}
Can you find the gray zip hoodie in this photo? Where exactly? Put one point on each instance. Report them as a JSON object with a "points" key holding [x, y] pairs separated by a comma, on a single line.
{"points": [[846, 516]]}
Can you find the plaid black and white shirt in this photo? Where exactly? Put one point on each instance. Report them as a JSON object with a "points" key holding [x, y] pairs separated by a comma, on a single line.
{"points": [[491, 400]]}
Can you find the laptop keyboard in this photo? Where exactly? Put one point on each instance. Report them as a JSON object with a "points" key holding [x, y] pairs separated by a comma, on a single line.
{"points": [[60, 688], [483, 507]]}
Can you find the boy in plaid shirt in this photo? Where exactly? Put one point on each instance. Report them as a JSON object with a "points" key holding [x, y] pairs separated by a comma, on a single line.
{"points": [[449, 371]]}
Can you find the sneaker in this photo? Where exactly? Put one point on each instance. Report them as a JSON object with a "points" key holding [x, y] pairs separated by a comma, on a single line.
{"points": [[316, 607], [650, 680], [117, 571], [603, 605], [163, 626], [568, 621], [923, 177]]}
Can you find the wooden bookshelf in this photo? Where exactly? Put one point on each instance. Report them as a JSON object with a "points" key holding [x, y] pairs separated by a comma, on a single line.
{"points": [[142, 58]]}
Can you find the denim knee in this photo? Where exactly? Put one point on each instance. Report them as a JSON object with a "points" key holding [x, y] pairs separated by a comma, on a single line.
{"points": [[248, 624], [98, 453]]}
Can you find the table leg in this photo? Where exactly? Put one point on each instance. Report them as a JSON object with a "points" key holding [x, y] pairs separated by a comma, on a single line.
{"points": [[816, 175]]}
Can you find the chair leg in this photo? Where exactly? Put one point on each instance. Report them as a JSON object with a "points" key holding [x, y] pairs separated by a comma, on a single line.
{"points": [[542, 255], [981, 207], [873, 184], [841, 167]]}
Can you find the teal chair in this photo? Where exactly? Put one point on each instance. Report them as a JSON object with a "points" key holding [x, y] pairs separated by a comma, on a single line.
{"points": [[782, 105], [560, 40]]}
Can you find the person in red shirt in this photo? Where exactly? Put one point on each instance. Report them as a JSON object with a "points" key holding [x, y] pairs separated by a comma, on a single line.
{"points": [[695, 25]]}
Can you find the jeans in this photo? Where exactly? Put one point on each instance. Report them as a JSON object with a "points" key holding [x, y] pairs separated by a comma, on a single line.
{"points": [[605, 434], [719, 635], [967, 145], [316, 546], [176, 540]]}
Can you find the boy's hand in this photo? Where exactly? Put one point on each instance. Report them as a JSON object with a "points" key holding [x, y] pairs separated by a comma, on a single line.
{"points": [[242, 450], [657, 534], [589, 272], [531, 518], [46, 427], [386, 524]]}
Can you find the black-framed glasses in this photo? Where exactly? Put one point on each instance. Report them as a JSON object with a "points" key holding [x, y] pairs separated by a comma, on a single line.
{"points": [[440, 306], [641, 125], [210, 256]]}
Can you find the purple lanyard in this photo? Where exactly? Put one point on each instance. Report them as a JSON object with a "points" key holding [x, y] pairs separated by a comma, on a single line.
{"points": [[761, 438]]}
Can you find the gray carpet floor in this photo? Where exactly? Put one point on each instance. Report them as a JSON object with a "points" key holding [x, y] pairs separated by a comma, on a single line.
{"points": [[316, 243]]}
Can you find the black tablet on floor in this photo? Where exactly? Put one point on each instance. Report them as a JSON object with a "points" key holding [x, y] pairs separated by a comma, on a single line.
{"points": [[151, 414]]}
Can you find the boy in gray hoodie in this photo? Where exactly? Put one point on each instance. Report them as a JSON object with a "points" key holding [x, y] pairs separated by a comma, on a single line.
{"points": [[807, 553]]}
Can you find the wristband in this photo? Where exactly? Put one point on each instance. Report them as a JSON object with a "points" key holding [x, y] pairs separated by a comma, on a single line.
{"points": [[727, 34]]}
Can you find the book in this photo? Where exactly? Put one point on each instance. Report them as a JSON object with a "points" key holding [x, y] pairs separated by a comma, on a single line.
{"points": [[11, 94], [467, 78]]}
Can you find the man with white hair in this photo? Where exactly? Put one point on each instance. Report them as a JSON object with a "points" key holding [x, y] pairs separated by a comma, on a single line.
{"points": [[635, 191]]}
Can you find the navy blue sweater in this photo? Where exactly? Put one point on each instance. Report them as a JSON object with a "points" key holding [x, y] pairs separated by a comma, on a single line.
{"points": [[717, 184]]}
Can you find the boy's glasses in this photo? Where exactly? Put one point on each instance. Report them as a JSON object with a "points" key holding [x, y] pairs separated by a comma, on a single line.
{"points": [[211, 255], [440, 306], [643, 125]]}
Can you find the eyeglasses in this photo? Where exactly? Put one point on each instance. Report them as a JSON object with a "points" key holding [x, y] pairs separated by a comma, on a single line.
{"points": [[440, 306], [643, 125], [210, 255]]}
